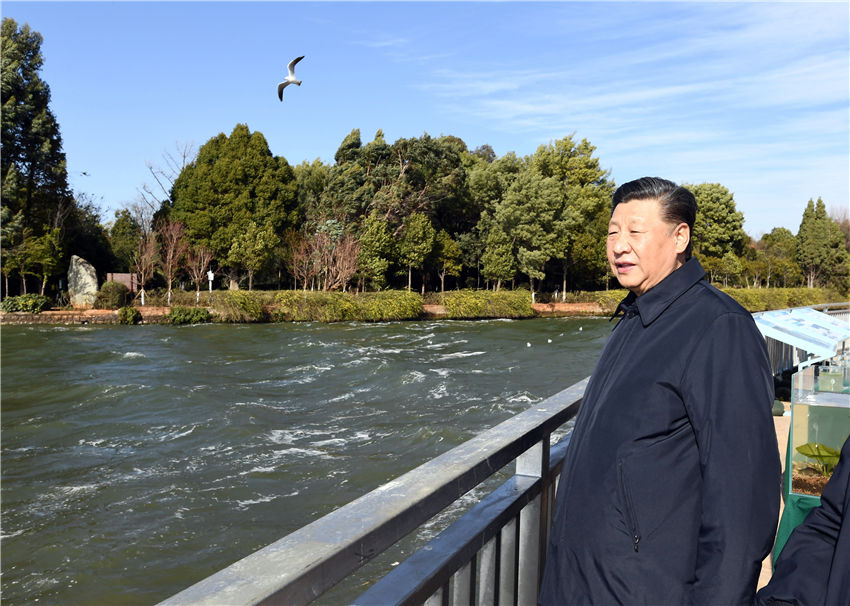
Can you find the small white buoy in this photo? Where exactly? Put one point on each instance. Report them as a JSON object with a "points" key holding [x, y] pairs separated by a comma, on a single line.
{"points": [[528, 344], [548, 340], [579, 329]]}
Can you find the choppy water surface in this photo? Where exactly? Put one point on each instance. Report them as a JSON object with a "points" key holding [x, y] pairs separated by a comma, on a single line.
{"points": [[137, 460]]}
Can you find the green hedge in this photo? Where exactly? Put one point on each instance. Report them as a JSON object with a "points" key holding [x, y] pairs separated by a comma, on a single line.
{"points": [[766, 299], [388, 305], [240, 306], [469, 304], [129, 315], [318, 306], [188, 315], [31, 303]]}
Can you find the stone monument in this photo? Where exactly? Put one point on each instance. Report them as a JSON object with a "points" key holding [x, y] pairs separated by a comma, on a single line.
{"points": [[82, 282]]}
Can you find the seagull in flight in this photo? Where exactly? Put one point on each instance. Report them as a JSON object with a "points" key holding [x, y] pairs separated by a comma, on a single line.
{"points": [[290, 77]]}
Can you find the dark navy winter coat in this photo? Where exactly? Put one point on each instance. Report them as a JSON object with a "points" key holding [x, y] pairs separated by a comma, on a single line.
{"points": [[670, 488], [814, 566]]}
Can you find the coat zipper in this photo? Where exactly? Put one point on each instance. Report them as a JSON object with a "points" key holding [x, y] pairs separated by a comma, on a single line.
{"points": [[630, 510]]}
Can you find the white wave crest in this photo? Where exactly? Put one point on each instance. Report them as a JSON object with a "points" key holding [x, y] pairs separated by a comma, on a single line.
{"points": [[460, 354]]}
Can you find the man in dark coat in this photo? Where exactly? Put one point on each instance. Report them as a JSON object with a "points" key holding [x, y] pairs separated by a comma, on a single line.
{"points": [[814, 566], [670, 487]]}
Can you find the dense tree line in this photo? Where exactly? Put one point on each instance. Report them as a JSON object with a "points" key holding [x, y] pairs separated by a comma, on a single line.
{"points": [[419, 213]]}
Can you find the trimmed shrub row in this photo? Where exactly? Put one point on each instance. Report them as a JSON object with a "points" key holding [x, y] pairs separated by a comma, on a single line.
{"points": [[469, 304], [313, 306], [31, 303], [188, 315], [767, 299]]}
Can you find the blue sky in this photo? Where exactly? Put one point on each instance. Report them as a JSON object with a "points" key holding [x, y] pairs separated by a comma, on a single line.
{"points": [[752, 95]]}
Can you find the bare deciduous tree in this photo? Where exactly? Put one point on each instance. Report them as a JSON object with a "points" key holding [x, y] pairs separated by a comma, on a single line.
{"points": [[198, 261], [301, 262], [144, 261], [172, 238], [165, 174], [336, 259]]}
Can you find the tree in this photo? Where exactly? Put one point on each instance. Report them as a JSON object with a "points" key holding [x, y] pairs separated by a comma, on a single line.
{"points": [[46, 255], [32, 164], [34, 177], [718, 228], [124, 234], [197, 262], [813, 242], [447, 255], [730, 266], [529, 213], [376, 249], [173, 246], [11, 237], [234, 180], [497, 262], [145, 260], [252, 249], [301, 263], [778, 249], [417, 240]]}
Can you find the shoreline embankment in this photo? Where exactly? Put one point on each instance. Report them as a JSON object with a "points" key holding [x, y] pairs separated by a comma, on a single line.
{"points": [[159, 314]]}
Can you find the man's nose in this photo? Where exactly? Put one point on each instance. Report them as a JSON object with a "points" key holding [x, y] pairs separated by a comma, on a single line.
{"points": [[620, 244]]}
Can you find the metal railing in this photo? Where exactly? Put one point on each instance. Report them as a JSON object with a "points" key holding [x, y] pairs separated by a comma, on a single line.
{"points": [[491, 555]]}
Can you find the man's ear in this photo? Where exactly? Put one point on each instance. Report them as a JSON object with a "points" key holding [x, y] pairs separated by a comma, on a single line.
{"points": [[682, 234]]}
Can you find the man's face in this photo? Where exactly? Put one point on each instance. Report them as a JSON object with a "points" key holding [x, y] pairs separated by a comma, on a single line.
{"points": [[642, 248]]}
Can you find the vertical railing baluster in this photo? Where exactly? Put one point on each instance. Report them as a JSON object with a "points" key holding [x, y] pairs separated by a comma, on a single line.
{"points": [[462, 578], [488, 573], [534, 462], [508, 564]]}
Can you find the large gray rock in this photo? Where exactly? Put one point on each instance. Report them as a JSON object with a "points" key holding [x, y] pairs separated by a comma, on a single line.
{"points": [[82, 282]]}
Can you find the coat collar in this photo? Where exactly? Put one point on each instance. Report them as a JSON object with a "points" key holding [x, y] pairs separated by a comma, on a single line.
{"points": [[652, 303]]}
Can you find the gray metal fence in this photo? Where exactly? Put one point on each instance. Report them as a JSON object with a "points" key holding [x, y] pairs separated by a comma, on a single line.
{"points": [[491, 555]]}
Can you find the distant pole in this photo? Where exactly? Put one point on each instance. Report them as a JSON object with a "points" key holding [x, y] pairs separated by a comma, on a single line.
{"points": [[210, 277]]}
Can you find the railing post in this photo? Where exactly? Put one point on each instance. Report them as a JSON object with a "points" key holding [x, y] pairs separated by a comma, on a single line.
{"points": [[533, 522]]}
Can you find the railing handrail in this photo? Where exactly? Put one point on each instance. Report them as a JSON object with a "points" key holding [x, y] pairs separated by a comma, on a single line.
{"points": [[306, 563]]}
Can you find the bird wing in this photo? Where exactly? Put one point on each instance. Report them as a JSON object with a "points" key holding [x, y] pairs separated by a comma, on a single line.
{"points": [[291, 66], [280, 88]]}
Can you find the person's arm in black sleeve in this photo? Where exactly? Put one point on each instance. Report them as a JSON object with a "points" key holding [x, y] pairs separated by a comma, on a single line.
{"points": [[728, 390], [809, 558]]}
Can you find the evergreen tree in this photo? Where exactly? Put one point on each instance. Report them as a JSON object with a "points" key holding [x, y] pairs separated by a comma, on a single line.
{"points": [[718, 228], [529, 214], [234, 180], [376, 249], [253, 249], [813, 242], [124, 235], [32, 163]]}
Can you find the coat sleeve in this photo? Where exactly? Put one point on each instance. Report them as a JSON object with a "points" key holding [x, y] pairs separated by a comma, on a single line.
{"points": [[810, 561], [728, 392]]}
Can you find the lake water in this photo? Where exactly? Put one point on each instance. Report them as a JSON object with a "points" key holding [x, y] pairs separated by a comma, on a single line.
{"points": [[137, 460]]}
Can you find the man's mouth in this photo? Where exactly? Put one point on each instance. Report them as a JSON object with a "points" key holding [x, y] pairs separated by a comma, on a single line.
{"points": [[624, 267]]}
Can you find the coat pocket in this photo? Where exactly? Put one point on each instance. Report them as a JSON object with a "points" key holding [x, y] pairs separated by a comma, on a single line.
{"points": [[660, 489], [630, 513]]}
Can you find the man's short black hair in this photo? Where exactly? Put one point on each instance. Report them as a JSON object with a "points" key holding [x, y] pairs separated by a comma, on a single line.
{"points": [[678, 204]]}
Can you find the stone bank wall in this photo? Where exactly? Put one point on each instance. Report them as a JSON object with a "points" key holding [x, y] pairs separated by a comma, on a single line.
{"points": [[151, 315]]}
